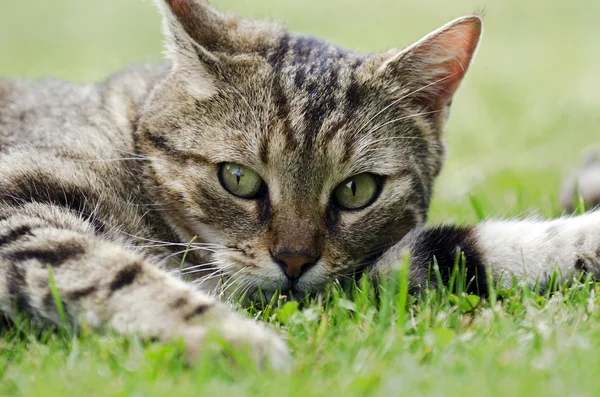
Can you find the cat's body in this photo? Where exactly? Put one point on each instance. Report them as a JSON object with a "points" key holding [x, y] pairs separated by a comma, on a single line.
{"points": [[79, 138], [287, 161]]}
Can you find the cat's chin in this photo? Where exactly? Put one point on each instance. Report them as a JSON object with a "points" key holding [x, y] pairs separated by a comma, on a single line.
{"points": [[263, 298]]}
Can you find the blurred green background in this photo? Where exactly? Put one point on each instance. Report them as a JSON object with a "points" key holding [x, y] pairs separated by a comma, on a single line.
{"points": [[528, 107]]}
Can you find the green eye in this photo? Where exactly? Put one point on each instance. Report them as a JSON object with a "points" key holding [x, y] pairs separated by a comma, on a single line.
{"points": [[357, 192], [240, 181]]}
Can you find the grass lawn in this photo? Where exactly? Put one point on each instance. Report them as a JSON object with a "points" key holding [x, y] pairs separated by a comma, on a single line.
{"points": [[530, 104]]}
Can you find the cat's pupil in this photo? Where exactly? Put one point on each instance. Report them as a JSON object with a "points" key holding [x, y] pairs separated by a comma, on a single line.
{"points": [[238, 175], [352, 186]]}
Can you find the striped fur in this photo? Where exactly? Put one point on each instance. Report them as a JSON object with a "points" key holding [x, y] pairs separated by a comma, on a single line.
{"points": [[108, 184]]}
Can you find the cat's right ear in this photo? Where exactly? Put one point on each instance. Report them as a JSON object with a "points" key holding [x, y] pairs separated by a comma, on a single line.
{"points": [[197, 32], [431, 70], [191, 28]]}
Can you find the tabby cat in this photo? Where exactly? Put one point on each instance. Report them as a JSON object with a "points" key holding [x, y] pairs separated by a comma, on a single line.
{"points": [[281, 161]]}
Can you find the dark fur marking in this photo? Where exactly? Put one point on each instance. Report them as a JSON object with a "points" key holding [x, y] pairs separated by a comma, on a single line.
{"points": [[581, 264], [315, 116], [200, 310], [277, 58], [263, 151], [125, 277], [15, 234], [322, 98], [332, 219], [421, 186], [303, 48], [81, 293], [48, 302], [444, 243], [349, 150], [264, 209], [5, 324], [179, 302], [46, 189], [354, 96], [300, 78], [161, 143], [54, 256], [283, 112], [17, 288]]}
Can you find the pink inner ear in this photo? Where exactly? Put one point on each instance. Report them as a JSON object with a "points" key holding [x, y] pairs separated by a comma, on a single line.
{"points": [[179, 7], [459, 44], [442, 59]]}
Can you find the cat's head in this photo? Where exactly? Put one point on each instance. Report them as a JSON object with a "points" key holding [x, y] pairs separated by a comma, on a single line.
{"points": [[300, 160]]}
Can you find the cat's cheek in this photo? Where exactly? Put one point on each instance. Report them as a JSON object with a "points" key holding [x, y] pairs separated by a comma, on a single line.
{"points": [[316, 279]]}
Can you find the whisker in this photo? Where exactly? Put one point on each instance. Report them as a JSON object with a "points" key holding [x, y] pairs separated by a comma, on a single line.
{"points": [[232, 280], [188, 250], [198, 266], [208, 277], [113, 160], [242, 286], [207, 267], [402, 98], [168, 243], [197, 245], [410, 116]]}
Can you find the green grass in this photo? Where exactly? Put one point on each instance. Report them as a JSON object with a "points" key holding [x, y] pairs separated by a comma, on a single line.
{"points": [[528, 107]]}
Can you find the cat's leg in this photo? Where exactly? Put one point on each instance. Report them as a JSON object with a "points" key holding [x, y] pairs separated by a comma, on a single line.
{"points": [[108, 286], [528, 251]]}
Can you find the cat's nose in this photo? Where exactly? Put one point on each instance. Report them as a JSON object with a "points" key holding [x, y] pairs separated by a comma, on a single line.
{"points": [[294, 265]]}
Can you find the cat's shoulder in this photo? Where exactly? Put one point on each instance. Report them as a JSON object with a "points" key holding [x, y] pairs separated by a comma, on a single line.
{"points": [[52, 109]]}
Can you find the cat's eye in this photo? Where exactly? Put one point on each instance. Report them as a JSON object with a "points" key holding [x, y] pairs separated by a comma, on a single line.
{"points": [[357, 192], [240, 181]]}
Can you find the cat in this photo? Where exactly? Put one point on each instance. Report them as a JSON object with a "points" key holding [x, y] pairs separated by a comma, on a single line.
{"points": [[254, 160]]}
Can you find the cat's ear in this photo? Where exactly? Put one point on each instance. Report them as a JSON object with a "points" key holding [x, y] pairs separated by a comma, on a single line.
{"points": [[196, 31], [431, 70]]}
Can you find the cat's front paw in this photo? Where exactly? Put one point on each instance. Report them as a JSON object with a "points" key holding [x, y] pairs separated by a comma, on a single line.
{"points": [[263, 345]]}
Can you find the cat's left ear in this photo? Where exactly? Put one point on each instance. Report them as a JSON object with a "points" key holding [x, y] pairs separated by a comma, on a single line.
{"points": [[431, 70]]}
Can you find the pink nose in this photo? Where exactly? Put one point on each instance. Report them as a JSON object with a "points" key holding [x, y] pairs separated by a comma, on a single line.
{"points": [[294, 265]]}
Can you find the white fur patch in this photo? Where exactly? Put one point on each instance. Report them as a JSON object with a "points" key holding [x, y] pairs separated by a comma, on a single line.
{"points": [[531, 250]]}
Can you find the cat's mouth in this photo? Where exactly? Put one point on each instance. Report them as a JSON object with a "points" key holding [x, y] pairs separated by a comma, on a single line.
{"points": [[238, 279], [254, 289], [298, 289]]}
